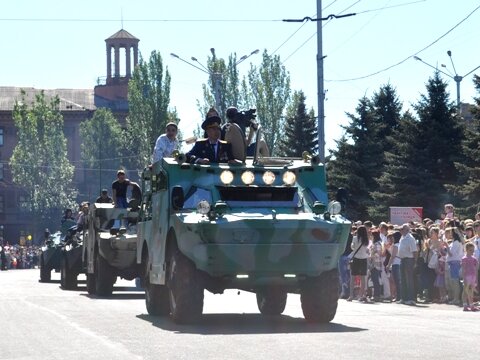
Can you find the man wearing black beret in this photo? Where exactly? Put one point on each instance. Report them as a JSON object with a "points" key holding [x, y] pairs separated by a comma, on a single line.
{"points": [[211, 149]]}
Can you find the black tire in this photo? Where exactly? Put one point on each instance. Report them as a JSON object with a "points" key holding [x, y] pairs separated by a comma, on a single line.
{"points": [[104, 277], [185, 289], [45, 273], [319, 297], [68, 279], [156, 296], [271, 301], [91, 284]]}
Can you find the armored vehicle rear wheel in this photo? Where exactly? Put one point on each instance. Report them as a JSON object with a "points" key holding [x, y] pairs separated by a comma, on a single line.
{"points": [[271, 301], [185, 289], [319, 297], [45, 273], [156, 296], [104, 277], [68, 279]]}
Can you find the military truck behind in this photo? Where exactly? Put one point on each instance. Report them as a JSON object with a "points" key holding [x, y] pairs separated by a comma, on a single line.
{"points": [[265, 226], [71, 263], [108, 251], [50, 256]]}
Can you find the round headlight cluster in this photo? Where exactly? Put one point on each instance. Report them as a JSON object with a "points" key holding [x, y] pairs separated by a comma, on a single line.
{"points": [[226, 177], [334, 207], [248, 177], [203, 207], [289, 178], [268, 177]]}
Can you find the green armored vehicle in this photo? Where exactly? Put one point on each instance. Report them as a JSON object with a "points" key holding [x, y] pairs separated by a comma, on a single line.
{"points": [[109, 251], [50, 256], [71, 264], [265, 226]]}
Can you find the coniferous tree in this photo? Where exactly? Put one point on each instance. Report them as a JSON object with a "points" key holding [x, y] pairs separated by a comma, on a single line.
{"points": [[468, 182], [300, 129], [440, 135], [356, 161]]}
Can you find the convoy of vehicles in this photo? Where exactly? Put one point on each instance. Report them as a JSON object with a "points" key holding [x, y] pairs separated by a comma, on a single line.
{"points": [[264, 226]]}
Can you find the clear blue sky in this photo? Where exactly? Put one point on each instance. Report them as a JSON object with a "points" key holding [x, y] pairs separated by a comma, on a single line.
{"points": [[71, 54]]}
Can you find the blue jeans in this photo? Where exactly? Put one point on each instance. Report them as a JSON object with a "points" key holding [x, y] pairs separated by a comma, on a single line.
{"points": [[396, 279], [121, 202], [344, 272], [407, 279], [375, 275]]}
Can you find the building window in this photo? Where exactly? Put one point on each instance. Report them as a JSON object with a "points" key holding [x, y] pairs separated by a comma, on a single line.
{"points": [[1, 170], [23, 202], [1, 136]]}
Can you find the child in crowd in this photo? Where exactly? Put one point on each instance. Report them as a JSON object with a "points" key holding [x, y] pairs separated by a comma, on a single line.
{"points": [[469, 271]]}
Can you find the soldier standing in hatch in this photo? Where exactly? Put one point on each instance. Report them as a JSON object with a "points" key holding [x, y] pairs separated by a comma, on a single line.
{"points": [[104, 198], [119, 190], [211, 149]]}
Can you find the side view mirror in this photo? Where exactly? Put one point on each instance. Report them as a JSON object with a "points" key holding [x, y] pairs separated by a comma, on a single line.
{"points": [[178, 197]]}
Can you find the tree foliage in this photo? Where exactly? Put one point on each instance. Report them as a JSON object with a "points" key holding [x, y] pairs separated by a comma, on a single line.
{"points": [[300, 129], [270, 89], [39, 161], [467, 187], [149, 98], [101, 149]]}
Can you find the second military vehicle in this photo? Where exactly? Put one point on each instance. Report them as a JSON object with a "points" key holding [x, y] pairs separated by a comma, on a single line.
{"points": [[110, 251], [50, 256], [265, 226]]}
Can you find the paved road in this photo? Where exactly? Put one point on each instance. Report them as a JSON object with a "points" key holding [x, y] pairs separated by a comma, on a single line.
{"points": [[41, 321]]}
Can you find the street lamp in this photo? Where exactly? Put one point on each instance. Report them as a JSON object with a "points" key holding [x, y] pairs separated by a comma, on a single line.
{"points": [[457, 78], [216, 76]]}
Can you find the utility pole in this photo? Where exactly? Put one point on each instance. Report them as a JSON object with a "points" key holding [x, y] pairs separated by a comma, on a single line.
{"points": [[320, 90]]}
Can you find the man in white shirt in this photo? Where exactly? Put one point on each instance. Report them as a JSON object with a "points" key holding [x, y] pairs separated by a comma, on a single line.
{"points": [[407, 252], [166, 143]]}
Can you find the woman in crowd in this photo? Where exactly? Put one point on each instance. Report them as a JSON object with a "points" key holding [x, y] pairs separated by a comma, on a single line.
{"points": [[358, 266], [394, 265], [376, 251], [454, 258]]}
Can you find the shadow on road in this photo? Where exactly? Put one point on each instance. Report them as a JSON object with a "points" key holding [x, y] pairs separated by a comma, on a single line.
{"points": [[119, 293], [232, 324]]}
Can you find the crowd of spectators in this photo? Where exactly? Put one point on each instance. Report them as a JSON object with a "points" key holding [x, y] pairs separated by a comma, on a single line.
{"points": [[435, 261], [19, 257]]}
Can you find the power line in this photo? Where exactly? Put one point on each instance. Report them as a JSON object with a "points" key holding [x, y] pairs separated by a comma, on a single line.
{"points": [[409, 56], [315, 33]]}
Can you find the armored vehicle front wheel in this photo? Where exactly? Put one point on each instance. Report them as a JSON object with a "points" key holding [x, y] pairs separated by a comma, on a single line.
{"points": [[319, 297], [104, 277], [271, 301], [45, 273], [68, 279], [185, 289], [156, 296]]}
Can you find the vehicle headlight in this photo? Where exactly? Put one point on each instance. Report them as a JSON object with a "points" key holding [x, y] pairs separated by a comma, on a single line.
{"points": [[289, 178], [334, 207], [203, 207], [248, 177], [268, 177], [226, 177]]}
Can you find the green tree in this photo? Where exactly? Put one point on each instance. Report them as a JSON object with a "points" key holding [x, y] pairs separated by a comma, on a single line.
{"points": [[39, 161], [270, 89], [467, 187], [440, 135], [402, 173], [300, 129], [355, 163], [101, 148], [148, 98]]}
